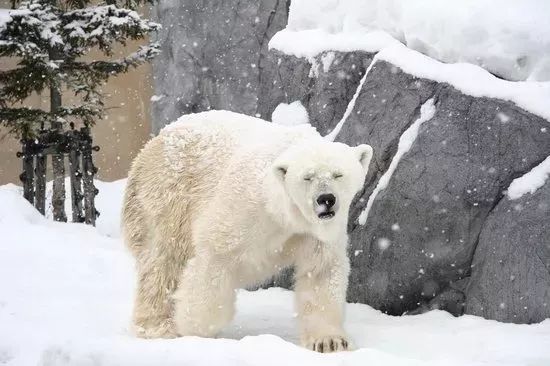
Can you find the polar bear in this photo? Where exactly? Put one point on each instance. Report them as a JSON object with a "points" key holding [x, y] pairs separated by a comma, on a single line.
{"points": [[220, 201]]}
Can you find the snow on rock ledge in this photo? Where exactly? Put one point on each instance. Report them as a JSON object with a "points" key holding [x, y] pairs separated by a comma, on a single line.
{"points": [[310, 43], [531, 181], [509, 38], [471, 79]]}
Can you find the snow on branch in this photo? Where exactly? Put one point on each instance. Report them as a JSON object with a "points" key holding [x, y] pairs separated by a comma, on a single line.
{"points": [[103, 25], [30, 30]]}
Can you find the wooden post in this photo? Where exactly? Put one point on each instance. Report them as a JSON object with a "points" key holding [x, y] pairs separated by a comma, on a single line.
{"points": [[88, 171], [28, 171], [76, 175], [58, 163], [58, 194], [40, 175]]}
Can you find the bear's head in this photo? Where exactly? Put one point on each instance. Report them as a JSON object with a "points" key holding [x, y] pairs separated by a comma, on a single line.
{"points": [[322, 177]]}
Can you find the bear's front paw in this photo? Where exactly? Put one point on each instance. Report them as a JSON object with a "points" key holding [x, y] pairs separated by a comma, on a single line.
{"points": [[163, 329], [327, 344]]}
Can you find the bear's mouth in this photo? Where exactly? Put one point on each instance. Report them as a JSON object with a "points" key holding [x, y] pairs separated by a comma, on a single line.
{"points": [[326, 215]]}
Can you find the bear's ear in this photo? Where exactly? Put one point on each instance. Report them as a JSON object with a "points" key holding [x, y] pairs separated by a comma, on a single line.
{"points": [[364, 154], [279, 169]]}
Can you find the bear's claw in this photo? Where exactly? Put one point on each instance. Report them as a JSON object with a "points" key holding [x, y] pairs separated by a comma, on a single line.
{"points": [[328, 344]]}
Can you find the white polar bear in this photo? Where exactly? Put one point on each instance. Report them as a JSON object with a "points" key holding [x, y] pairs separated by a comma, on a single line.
{"points": [[220, 201]]}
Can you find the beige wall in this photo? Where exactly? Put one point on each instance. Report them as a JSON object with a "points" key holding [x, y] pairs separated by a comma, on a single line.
{"points": [[120, 135]]}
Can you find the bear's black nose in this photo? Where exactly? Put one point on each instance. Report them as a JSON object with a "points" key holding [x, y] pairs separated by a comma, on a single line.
{"points": [[326, 199]]}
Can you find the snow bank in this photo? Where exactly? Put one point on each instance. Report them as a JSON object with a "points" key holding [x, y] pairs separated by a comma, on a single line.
{"points": [[509, 38], [290, 114], [67, 293], [427, 111], [531, 181]]}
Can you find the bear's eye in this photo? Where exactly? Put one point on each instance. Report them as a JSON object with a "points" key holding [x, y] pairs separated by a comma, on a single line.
{"points": [[308, 178], [337, 175]]}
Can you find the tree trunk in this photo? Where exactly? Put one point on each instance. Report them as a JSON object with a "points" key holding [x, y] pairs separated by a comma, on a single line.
{"points": [[40, 175], [58, 195], [76, 181]]}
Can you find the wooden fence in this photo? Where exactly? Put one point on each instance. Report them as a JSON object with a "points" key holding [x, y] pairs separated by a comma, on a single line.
{"points": [[76, 147]]}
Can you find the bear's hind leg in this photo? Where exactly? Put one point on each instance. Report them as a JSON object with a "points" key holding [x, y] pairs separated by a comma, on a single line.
{"points": [[204, 300], [158, 272]]}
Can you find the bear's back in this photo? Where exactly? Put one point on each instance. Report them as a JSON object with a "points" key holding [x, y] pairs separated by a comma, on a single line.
{"points": [[228, 134]]}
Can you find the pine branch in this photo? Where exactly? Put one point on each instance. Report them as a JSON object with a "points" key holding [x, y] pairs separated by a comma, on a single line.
{"points": [[26, 122], [23, 122], [10, 48], [34, 75], [102, 27], [76, 4], [105, 69], [30, 30]]}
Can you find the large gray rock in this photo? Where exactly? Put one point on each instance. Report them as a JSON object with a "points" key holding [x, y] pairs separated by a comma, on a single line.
{"points": [[415, 251], [214, 54], [511, 269], [422, 230]]}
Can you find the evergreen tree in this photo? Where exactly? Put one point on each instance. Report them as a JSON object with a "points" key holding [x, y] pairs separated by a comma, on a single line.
{"points": [[49, 39]]}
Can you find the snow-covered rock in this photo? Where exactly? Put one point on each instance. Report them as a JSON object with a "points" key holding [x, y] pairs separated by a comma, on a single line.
{"points": [[67, 294], [507, 37]]}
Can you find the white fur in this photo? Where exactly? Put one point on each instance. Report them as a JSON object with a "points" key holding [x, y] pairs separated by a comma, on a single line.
{"points": [[217, 202]]}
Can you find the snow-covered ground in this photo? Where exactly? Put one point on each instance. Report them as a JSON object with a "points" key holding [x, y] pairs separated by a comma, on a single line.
{"points": [[66, 293], [509, 38]]}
